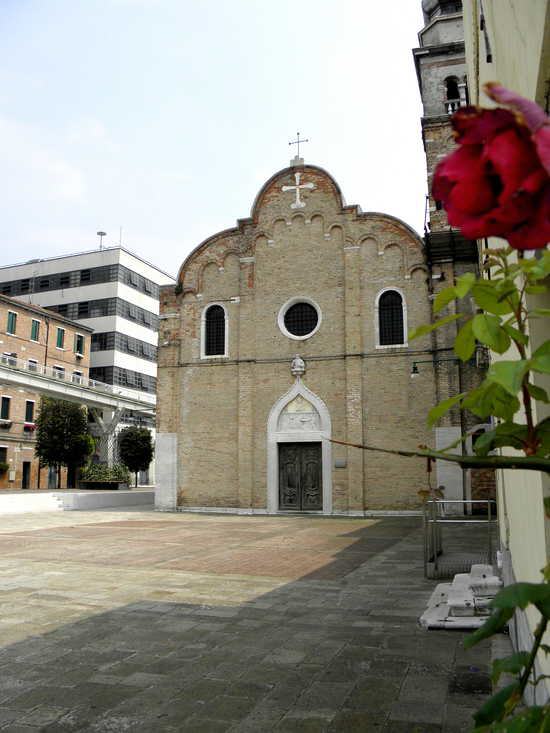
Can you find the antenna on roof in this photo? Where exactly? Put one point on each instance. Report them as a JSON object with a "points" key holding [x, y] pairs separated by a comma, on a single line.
{"points": [[101, 235]]}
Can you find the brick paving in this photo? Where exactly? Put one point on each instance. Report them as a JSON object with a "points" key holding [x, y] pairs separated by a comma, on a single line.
{"points": [[136, 621]]}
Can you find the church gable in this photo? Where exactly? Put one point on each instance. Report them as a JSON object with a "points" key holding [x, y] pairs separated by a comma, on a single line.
{"points": [[218, 252], [302, 243], [302, 207], [306, 190]]}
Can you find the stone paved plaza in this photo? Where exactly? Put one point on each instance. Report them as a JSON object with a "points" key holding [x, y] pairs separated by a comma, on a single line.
{"points": [[140, 621]]}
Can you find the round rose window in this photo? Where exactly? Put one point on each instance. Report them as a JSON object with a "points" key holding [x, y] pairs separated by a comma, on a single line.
{"points": [[301, 319]]}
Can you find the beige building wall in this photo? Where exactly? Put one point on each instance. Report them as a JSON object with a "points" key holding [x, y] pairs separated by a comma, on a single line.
{"points": [[515, 39], [511, 45]]}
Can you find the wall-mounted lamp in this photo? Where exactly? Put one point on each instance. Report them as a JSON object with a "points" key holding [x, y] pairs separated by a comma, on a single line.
{"points": [[435, 362]]}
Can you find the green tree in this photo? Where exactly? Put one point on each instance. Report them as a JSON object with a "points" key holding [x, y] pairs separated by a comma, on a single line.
{"points": [[135, 449], [62, 436]]}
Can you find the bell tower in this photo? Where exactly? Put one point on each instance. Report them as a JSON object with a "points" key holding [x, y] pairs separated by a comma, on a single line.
{"points": [[441, 71]]}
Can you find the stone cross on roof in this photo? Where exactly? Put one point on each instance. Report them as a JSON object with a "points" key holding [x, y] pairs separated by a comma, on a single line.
{"points": [[298, 203]]}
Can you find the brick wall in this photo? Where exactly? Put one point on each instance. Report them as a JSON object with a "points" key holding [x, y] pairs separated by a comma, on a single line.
{"points": [[17, 438], [341, 259]]}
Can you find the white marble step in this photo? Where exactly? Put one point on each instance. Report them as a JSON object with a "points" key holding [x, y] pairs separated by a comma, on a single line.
{"points": [[24, 502], [20, 502]]}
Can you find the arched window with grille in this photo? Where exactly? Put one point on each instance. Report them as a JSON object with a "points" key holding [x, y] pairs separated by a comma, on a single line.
{"points": [[391, 317], [214, 331]]}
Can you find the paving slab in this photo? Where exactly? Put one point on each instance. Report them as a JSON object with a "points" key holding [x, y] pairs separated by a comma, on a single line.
{"points": [[138, 621]]}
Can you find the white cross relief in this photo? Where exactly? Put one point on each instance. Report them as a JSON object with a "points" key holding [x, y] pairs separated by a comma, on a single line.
{"points": [[298, 204]]}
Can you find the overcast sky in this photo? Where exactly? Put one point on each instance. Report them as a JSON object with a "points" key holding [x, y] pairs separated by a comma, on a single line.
{"points": [[165, 117]]}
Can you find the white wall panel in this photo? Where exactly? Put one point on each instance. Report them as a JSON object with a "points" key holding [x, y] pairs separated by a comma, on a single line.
{"points": [[131, 295], [123, 325], [125, 361], [72, 295], [79, 261], [145, 269]]}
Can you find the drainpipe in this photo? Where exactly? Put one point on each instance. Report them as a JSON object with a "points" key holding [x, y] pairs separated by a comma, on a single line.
{"points": [[47, 340], [45, 364]]}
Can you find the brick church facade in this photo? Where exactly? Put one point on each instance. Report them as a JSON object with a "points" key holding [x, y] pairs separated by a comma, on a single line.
{"points": [[290, 330]]}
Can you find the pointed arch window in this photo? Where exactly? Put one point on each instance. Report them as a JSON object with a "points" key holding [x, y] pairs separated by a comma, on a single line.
{"points": [[214, 331], [391, 319]]}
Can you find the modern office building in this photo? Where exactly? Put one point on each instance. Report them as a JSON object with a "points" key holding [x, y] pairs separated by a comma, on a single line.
{"points": [[116, 294]]}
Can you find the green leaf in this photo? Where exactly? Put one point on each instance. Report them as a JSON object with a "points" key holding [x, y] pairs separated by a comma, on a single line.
{"points": [[540, 361], [538, 393], [495, 623], [491, 399], [505, 434], [529, 720], [510, 433], [504, 405], [540, 311], [535, 289], [494, 707], [443, 299], [491, 263], [537, 269], [484, 443], [516, 334], [429, 327], [465, 342], [542, 430], [509, 665], [488, 330], [509, 374], [487, 296], [439, 410], [520, 595], [464, 284], [508, 293]]}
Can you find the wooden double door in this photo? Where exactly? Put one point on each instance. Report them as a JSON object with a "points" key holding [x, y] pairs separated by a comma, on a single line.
{"points": [[300, 477]]}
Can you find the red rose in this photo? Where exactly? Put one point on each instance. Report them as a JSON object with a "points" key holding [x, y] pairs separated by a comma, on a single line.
{"points": [[531, 114], [495, 184]]}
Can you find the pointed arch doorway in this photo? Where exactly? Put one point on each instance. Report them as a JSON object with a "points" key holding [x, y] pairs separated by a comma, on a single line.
{"points": [[299, 464]]}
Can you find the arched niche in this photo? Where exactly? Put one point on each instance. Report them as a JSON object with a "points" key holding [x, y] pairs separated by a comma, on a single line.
{"points": [[317, 225], [298, 416], [394, 260]]}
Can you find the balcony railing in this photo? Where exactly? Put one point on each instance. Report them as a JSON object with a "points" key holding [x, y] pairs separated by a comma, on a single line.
{"points": [[451, 106], [60, 375]]}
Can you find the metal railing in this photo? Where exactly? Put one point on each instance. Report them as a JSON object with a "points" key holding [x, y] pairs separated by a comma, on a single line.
{"points": [[451, 105], [75, 379], [457, 552]]}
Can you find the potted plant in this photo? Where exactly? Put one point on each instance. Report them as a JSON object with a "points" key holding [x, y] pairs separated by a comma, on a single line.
{"points": [[102, 476]]}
